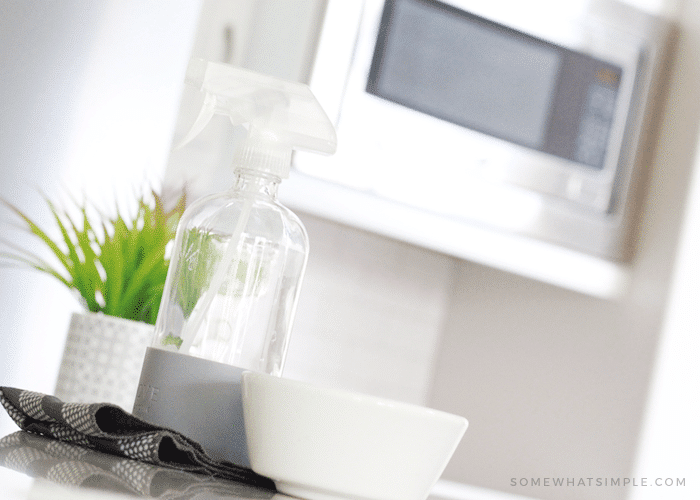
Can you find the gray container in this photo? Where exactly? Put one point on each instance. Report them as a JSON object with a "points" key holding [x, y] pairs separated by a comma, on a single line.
{"points": [[196, 397]]}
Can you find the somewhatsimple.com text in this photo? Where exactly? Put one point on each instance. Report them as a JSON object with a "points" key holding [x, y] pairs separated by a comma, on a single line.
{"points": [[597, 481]]}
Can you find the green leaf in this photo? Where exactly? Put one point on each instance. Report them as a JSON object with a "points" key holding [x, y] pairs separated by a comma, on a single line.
{"points": [[171, 339], [142, 275], [37, 231], [78, 270], [37, 265], [112, 259]]}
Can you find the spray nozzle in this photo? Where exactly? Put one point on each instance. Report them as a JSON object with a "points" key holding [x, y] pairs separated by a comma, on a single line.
{"points": [[278, 115]]}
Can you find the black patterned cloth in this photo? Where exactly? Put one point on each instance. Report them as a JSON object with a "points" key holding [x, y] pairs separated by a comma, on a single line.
{"points": [[108, 428]]}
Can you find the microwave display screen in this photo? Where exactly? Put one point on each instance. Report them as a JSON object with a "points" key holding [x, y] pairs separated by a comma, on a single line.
{"points": [[475, 73]]}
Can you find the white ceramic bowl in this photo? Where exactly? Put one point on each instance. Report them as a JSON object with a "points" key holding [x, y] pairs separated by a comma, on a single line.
{"points": [[325, 444]]}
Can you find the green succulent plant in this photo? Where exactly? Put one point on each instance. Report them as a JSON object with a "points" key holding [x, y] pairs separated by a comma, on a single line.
{"points": [[117, 265]]}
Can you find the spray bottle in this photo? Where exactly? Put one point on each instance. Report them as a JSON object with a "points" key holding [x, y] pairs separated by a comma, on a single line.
{"points": [[237, 265]]}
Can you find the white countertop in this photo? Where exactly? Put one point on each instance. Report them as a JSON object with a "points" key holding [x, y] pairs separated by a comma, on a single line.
{"points": [[19, 486], [27, 472], [30, 470]]}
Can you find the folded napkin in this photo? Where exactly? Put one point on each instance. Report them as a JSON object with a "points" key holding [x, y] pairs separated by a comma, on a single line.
{"points": [[108, 428]]}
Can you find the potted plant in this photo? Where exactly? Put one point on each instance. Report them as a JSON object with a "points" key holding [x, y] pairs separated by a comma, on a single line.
{"points": [[117, 266]]}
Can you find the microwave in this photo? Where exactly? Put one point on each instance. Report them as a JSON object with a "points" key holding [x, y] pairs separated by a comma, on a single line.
{"points": [[456, 112]]}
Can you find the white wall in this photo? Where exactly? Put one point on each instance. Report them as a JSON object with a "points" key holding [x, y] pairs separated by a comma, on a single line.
{"points": [[42, 64], [370, 313], [669, 445], [88, 101]]}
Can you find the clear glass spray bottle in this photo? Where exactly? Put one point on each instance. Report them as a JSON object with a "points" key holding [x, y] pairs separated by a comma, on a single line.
{"points": [[239, 258]]}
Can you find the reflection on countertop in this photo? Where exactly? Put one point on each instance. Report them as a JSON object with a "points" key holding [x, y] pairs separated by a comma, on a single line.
{"points": [[59, 465]]}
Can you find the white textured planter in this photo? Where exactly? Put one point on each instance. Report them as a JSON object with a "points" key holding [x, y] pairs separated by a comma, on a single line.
{"points": [[102, 360]]}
